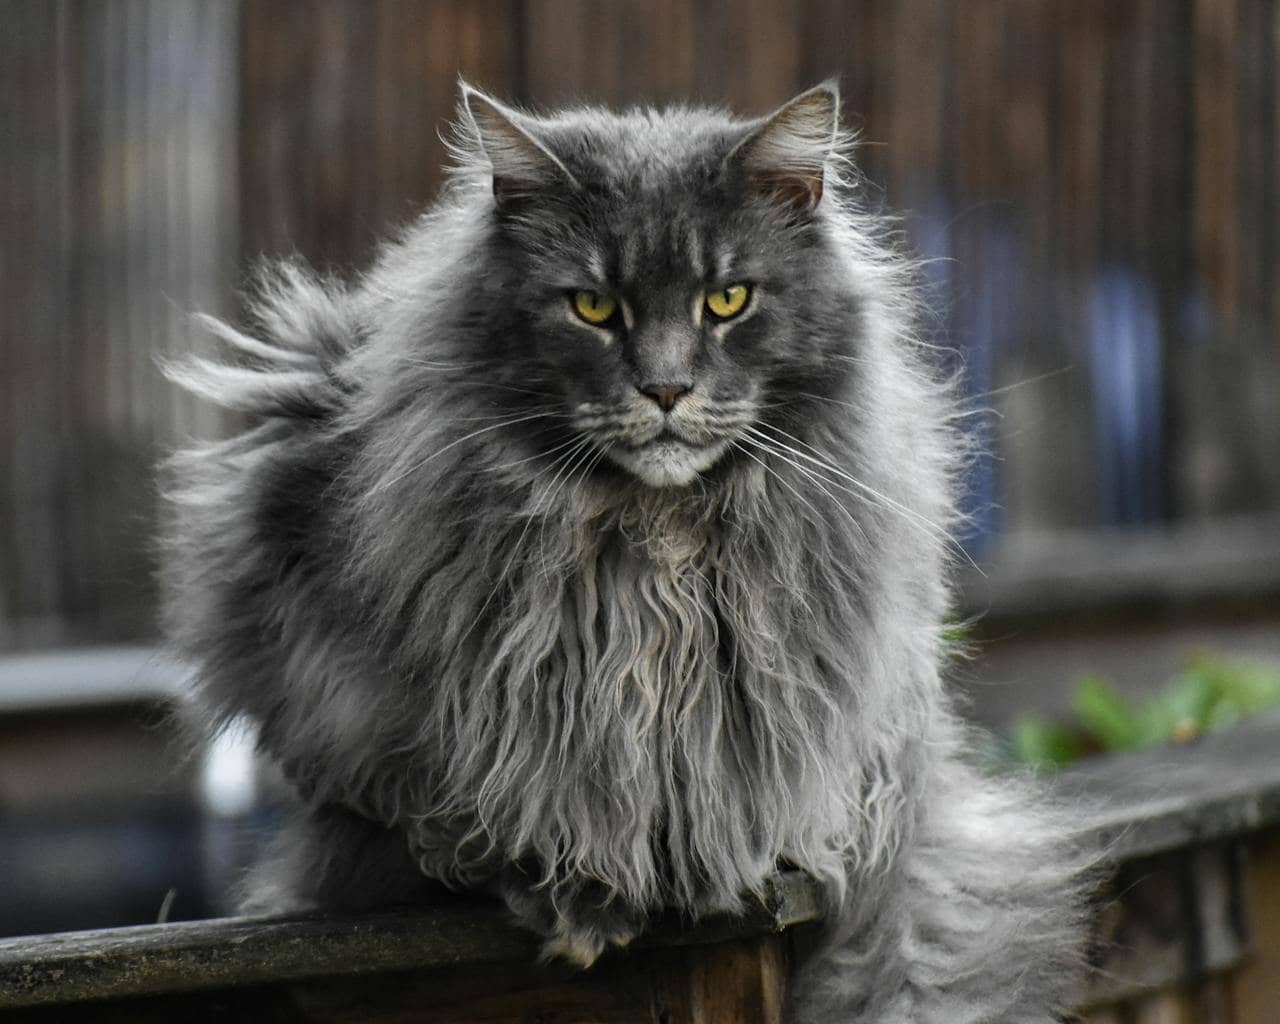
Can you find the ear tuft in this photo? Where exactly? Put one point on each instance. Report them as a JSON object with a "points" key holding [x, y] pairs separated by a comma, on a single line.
{"points": [[522, 165], [785, 156]]}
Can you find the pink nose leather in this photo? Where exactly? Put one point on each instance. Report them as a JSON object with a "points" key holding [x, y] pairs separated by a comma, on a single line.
{"points": [[665, 396]]}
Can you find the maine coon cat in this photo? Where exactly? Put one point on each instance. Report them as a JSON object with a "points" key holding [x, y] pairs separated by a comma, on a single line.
{"points": [[591, 549]]}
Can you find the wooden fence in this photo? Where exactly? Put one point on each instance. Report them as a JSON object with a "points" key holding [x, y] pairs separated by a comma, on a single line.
{"points": [[1096, 181], [120, 216], [1188, 932]]}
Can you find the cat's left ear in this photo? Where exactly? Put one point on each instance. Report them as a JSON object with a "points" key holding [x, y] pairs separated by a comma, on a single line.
{"points": [[522, 164], [785, 156]]}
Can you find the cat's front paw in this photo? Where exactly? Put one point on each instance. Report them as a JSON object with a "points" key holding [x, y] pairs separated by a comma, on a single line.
{"points": [[577, 921], [582, 944]]}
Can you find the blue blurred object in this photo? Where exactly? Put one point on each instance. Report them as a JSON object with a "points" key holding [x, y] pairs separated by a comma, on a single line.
{"points": [[1125, 367]]}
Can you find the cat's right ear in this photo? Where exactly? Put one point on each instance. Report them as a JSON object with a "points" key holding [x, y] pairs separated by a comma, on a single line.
{"points": [[785, 156], [522, 165]]}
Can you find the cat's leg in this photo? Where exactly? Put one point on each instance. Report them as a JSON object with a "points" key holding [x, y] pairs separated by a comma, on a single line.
{"points": [[329, 857], [577, 918], [978, 922]]}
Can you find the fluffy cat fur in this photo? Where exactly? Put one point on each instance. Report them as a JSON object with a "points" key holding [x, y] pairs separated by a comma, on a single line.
{"points": [[510, 624]]}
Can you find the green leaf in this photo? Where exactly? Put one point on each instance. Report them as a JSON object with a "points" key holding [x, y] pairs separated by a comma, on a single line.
{"points": [[1250, 686], [1158, 722], [1107, 716], [1208, 693], [1192, 701], [1043, 745]]}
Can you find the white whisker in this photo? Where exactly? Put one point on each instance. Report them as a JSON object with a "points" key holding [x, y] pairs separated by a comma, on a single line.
{"points": [[516, 548], [870, 493], [777, 476], [813, 477], [579, 460], [384, 484], [550, 410], [536, 455]]}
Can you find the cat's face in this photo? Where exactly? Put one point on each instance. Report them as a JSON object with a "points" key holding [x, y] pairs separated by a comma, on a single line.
{"points": [[663, 276]]}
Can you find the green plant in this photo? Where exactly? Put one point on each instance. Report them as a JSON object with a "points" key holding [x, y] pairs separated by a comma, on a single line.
{"points": [[1207, 694]]}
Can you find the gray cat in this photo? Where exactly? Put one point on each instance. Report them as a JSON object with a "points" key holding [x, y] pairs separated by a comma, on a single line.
{"points": [[591, 550]]}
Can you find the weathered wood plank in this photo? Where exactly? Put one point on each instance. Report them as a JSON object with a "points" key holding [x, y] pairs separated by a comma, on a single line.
{"points": [[1095, 573], [742, 982], [1163, 1008], [1255, 988], [1169, 921], [1217, 152], [737, 982], [1222, 784], [245, 951]]}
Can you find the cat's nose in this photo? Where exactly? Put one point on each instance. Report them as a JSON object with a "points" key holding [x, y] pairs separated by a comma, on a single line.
{"points": [[664, 394]]}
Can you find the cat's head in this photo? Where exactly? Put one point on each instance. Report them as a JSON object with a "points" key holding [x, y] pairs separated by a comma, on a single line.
{"points": [[660, 278]]}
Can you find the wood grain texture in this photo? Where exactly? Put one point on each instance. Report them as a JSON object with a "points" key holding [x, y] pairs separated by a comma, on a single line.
{"points": [[1109, 1015], [740, 982], [1168, 922], [153, 149], [1182, 795], [245, 952], [1163, 1008], [1217, 152], [737, 982], [1254, 990], [119, 219]]}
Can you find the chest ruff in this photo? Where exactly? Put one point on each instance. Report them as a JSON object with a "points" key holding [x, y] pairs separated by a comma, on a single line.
{"points": [[656, 723]]}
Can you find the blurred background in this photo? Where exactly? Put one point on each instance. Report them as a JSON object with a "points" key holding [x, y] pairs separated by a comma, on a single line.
{"points": [[1094, 184]]}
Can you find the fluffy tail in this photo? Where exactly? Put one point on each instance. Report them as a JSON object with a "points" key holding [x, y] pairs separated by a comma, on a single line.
{"points": [[290, 367], [981, 920]]}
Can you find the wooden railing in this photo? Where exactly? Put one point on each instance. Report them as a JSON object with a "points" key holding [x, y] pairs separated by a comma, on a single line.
{"points": [[1188, 932]]}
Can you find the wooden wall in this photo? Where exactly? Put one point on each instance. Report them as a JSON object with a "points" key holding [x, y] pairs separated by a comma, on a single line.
{"points": [[119, 216], [1096, 184]]}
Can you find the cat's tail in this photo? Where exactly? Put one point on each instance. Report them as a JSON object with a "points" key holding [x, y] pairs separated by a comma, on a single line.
{"points": [[288, 364], [980, 921]]}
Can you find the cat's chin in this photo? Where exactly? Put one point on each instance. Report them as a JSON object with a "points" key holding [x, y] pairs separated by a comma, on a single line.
{"points": [[667, 462]]}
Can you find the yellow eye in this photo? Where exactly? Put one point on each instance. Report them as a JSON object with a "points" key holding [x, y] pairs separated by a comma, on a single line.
{"points": [[728, 302], [595, 307]]}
